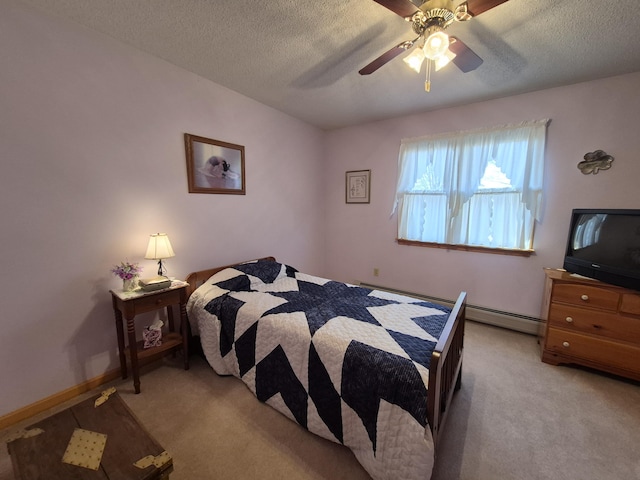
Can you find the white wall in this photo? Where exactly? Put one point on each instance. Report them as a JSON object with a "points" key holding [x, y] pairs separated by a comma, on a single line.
{"points": [[602, 114], [92, 162]]}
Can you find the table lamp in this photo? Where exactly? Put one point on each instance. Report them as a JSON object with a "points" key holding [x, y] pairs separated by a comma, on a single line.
{"points": [[159, 248]]}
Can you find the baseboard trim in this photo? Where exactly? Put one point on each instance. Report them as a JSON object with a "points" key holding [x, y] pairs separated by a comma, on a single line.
{"points": [[57, 398], [489, 316]]}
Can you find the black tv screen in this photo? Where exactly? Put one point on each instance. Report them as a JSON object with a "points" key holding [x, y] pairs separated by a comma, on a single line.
{"points": [[605, 245]]}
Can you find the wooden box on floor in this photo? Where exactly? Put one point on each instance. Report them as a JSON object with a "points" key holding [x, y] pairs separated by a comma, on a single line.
{"points": [[40, 456]]}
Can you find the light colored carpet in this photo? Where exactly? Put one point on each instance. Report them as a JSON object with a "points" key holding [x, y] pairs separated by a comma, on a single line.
{"points": [[514, 418]]}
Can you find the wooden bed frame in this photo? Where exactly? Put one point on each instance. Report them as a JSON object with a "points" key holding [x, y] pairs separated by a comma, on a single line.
{"points": [[445, 370]]}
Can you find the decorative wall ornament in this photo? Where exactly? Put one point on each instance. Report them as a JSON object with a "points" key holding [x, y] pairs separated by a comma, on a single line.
{"points": [[595, 161]]}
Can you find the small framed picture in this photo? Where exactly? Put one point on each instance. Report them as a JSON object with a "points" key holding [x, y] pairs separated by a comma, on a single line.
{"points": [[214, 166], [358, 186]]}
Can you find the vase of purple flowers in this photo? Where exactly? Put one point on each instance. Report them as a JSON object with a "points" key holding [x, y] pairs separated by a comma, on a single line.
{"points": [[129, 273]]}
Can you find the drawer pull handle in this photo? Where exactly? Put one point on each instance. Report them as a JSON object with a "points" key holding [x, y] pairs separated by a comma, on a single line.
{"points": [[158, 302], [565, 344], [585, 297], [569, 320]]}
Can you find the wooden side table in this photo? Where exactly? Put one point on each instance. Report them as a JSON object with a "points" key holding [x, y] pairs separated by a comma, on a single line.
{"points": [[130, 304]]}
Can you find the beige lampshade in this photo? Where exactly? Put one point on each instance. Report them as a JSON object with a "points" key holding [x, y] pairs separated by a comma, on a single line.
{"points": [[159, 247]]}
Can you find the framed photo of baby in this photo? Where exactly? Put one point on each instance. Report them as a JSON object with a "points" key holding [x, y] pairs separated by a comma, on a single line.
{"points": [[214, 166]]}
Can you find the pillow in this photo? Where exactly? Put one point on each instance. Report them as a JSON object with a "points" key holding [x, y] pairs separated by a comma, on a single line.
{"points": [[265, 271], [251, 275], [240, 283]]}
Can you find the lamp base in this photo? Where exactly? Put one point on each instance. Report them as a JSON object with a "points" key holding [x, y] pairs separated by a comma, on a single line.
{"points": [[160, 268]]}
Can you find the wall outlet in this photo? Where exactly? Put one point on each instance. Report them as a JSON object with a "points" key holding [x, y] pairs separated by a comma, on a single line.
{"points": [[376, 272]]}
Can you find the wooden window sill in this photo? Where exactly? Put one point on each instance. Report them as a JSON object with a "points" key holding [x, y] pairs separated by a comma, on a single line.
{"points": [[468, 248]]}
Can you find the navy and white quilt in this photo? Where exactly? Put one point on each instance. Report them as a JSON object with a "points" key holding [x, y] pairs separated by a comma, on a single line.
{"points": [[347, 363]]}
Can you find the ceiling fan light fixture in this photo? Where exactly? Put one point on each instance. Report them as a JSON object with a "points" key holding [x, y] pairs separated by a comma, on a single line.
{"points": [[443, 60], [461, 13], [415, 59], [436, 44]]}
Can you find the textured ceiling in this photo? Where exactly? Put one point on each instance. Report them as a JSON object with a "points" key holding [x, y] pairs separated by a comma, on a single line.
{"points": [[302, 56]]}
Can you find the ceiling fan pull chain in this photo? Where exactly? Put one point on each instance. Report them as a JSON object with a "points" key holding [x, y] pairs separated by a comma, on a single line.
{"points": [[427, 83]]}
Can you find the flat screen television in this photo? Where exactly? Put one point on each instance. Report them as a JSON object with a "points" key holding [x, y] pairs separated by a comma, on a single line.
{"points": [[605, 245]]}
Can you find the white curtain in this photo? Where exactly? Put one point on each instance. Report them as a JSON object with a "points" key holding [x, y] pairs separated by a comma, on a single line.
{"points": [[439, 175]]}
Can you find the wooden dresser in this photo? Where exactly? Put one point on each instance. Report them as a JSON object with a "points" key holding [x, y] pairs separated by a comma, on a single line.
{"points": [[590, 323]]}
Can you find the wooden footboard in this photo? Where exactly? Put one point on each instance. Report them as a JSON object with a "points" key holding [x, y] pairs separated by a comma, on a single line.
{"points": [[445, 369]]}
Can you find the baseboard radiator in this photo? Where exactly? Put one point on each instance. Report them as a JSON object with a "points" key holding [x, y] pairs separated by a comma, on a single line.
{"points": [[490, 316]]}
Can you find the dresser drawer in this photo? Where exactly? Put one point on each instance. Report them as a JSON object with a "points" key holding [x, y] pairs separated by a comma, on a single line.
{"points": [[586, 295], [630, 303], [599, 350], [593, 322]]}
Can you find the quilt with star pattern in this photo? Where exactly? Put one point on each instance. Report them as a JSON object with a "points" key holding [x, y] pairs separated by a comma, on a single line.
{"points": [[347, 363]]}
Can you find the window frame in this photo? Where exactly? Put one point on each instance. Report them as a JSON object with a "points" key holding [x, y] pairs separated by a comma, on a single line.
{"points": [[421, 156]]}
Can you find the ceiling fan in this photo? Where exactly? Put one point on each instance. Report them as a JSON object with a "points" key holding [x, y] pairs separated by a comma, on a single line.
{"points": [[429, 21]]}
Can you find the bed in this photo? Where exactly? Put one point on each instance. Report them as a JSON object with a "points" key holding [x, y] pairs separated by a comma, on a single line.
{"points": [[373, 370]]}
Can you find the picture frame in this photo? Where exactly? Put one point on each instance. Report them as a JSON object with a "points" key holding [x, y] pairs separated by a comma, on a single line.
{"points": [[358, 186], [214, 166]]}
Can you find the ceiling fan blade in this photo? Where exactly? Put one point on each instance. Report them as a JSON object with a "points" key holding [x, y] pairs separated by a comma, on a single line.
{"points": [[404, 8], [465, 59], [387, 57], [476, 7]]}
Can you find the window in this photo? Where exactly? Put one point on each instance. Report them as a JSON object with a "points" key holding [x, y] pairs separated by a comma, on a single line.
{"points": [[479, 188]]}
